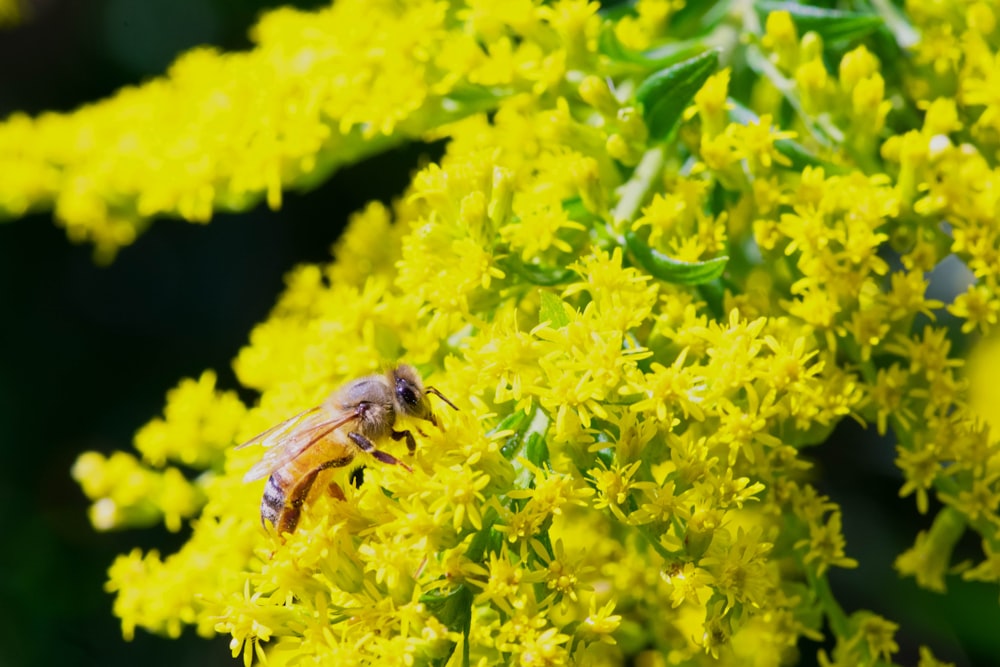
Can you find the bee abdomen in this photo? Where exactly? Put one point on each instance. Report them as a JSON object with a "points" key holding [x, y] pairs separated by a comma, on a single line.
{"points": [[272, 502]]}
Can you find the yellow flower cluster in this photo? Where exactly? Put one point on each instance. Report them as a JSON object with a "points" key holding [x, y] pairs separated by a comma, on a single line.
{"points": [[221, 131], [645, 294]]}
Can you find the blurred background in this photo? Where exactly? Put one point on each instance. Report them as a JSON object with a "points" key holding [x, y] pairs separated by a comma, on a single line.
{"points": [[87, 354]]}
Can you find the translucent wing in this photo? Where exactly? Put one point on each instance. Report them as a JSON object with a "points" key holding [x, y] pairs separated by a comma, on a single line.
{"points": [[292, 437], [268, 437]]}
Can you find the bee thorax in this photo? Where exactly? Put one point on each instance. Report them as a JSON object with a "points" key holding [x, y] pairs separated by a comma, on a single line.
{"points": [[376, 420]]}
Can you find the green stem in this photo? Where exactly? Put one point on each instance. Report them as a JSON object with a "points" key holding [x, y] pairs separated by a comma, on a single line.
{"points": [[635, 192], [828, 603], [896, 21], [948, 527], [952, 519], [823, 131], [655, 543]]}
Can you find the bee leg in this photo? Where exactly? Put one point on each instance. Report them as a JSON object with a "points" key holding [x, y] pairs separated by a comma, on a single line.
{"points": [[366, 445], [336, 463], [411, 444], [335, 491], [288, 517]]}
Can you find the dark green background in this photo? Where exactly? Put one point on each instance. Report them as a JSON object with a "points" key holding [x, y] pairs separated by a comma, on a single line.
{"points": [[87, 354]]}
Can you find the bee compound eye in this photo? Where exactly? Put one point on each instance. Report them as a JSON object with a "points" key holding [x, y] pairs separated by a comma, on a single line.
{"points": [[406, 392]]}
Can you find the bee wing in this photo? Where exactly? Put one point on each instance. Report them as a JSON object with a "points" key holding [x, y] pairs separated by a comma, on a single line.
{"points": [[267, 437], [292, 437]]}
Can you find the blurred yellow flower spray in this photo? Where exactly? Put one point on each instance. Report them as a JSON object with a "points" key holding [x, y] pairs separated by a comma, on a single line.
{"points": [[669, 247]]}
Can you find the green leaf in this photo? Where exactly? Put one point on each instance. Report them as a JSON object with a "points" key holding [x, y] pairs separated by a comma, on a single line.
{"points": [[664, 95], [673, 270], [606, 456], [576, 210], [516, 422], [615, 10], [453, 608], [537, 453], [553, 311], [511, 422], [713, 293], [536, 450], [800, 156], [608, 45], [536, 274], [691, 27], [486, 540], [700, 18], [831, 24], [661, 56], [897, 23]]}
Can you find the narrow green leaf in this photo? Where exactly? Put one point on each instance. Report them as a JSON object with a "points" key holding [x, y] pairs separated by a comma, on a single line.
{"points": [[516, 422], [700, 18], [831, 24], [713, 294], [800, 156], [536, 450], [896, 21], [486, 540], [553, 311], [576, 210], [664, 95], [673, 270], [660, 56], [614, 10], [453, 609], [608, 45], [536, 274], [511, 422], [606, 456]]}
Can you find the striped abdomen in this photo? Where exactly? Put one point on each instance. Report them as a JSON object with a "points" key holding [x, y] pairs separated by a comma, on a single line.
{"points": [[288, 487], [273, 501]]}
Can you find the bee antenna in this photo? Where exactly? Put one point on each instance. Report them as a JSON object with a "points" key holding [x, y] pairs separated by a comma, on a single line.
{"points": [[432, 390]]}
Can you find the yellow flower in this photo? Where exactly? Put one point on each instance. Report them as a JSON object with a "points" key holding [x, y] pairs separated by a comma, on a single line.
{"points": [[642, 332], [826, 545], [614, 487], [601, 621]]}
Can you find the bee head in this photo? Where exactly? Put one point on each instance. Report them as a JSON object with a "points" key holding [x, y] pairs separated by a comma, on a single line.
{"points": [[411, 396]]}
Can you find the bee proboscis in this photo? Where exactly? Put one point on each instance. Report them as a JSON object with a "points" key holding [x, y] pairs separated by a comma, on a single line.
{"points": [[353, 419]]}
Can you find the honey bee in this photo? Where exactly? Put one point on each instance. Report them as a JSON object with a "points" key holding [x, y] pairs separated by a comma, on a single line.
{"points": [[353, 419]]}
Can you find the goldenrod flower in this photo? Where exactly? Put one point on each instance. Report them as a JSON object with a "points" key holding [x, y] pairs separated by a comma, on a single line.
{"points": [[647, 285]]}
